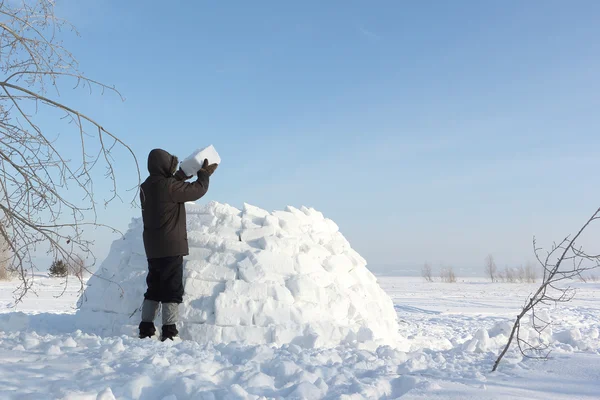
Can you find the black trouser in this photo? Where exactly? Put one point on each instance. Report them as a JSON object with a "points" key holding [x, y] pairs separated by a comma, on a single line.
{"points": [[165, 280]]}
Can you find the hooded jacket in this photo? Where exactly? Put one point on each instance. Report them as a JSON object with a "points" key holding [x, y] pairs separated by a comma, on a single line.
{"points": [[163, 198]]}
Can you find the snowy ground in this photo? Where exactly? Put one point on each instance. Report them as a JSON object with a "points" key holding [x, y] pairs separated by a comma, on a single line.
{"points": [[452, 335]]}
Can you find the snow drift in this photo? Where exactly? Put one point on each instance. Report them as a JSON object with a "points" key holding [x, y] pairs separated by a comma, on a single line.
{"points": [[252, 277]]}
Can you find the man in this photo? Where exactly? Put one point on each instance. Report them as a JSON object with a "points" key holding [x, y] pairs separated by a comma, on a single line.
{"points": [[163, 196]]}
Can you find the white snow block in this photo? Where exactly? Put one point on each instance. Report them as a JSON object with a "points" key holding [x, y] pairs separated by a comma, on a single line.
{"points": [[251, 211], [192, 164], [199, 311], [250, 272], [198, 288], [202, 333], [306, 289], [338, 264], [199, 253], [233, 310], [264, 266], [203, 270], [257, 233], [279, 245], [275, 264], [272, 312]]}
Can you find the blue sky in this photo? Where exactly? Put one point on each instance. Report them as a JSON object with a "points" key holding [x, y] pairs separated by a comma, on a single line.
{"points": [[429, 131]]}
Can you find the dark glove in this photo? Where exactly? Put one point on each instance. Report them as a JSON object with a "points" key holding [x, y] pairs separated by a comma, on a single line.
{"points": [[209, 169], [180, 175]]}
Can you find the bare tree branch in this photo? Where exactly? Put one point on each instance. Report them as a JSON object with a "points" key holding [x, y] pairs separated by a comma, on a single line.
{"points": [[549, 291], [47, 200]]}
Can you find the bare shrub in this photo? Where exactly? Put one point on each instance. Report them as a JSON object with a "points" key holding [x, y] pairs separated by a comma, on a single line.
{"points": [[501, 277], [588, 278], [491, 270], [520, 274], [426, 272], [447, 275], [531, 275], [510, 276]]}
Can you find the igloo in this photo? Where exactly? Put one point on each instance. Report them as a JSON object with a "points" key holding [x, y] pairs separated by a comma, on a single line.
{"points": [[254, 277]]}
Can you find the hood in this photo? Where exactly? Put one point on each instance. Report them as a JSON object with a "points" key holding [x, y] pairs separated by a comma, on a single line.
{"points": [[160, 162]]}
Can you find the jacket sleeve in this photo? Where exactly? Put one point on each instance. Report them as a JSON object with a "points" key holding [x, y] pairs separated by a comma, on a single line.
{"points": [[180, 175], [184, 191], [142, 196]]}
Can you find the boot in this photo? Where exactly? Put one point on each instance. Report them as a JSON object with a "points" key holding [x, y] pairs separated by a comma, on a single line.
{"points": [[147, 330], [169, 332]]}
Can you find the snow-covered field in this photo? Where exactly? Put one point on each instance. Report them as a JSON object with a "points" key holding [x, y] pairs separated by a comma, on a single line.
{"points": [[451, 336]]}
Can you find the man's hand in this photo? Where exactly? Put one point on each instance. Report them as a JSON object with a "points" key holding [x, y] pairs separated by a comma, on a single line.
{"points": [[210, 169]]}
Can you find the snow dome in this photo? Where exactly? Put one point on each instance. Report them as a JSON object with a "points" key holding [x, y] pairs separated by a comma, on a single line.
{"points": [[252, 277]]}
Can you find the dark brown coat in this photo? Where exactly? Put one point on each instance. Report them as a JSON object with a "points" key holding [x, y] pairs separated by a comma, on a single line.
{"points": [[162, 197]]}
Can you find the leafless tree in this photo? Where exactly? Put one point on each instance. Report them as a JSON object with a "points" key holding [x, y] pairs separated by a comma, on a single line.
{"points": [[564, 262], [47, 198], [447, 275], [491, 270], [426, 272]]}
